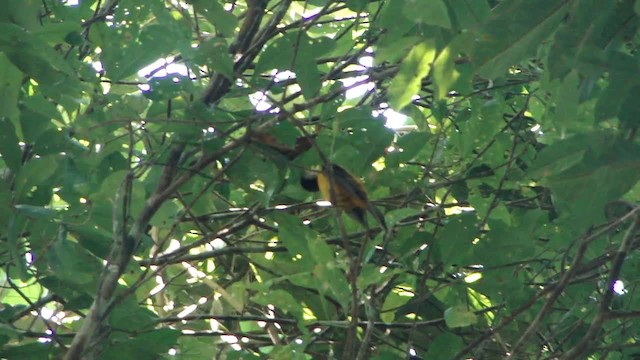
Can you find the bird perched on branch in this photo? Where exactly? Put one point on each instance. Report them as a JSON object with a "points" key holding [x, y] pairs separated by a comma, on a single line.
{"points": [[344, 191]]}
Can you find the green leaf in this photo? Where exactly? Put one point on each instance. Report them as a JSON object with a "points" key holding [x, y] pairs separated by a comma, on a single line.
{"points": [[560, 156], [9, 89], [36, 172], [575, 43], [9, 148], [430, 12], [409, 145], [292, 234], [621, 81], [357, 5], [630, 109], [467, 14], [224, 21], [611, 165], [214, 53], [72, 263], [39, 105], [413, 69], [513, 32], [30, 351], [444, 346], [36, 211], [283, 301], [131, 316], [454, 241], [394, 24], [459, 316]]}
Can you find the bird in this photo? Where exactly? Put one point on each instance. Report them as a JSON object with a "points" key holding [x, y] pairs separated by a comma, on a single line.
{"points": [[349, 193]]}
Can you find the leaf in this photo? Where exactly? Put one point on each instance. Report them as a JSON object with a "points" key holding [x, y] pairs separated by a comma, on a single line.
{"points": [[36, 211], [575, 43], [72, 263], [9, 148], [630, 109], [467, 14], [409, 145], [560, 156], [445, 73], [214, 53], [455, 239], [129, 315], [394, 23], [357, 5], [566, 100], [413, 69], [459, 316], [611, 167], [30, 351], [292, 234], [430, 12], [621, 81], [282, 300], [513, 32], [444, 346], [36, 172], [224, 21], [9, 89]]}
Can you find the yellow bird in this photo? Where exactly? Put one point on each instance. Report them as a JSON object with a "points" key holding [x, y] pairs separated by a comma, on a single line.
{"points": [[344, 191]]}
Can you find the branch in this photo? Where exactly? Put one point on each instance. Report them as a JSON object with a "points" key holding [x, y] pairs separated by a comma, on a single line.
{"points": [[578, 351]]}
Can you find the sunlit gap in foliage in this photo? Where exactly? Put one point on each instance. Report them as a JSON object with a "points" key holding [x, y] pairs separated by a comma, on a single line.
{"points": [[162, 68], [259, 98], [618, 287], [365, 63]]}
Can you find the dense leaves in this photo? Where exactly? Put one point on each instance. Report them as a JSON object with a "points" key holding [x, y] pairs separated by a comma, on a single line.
{"points": [[151, 155]]}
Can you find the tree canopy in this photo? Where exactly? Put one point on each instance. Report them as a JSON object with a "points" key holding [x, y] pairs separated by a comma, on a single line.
{"points": [[151, 154]]}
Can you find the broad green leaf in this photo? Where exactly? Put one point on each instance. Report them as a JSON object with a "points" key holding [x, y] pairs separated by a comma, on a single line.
{"points": [[15, 249], [622, 79], [357, 5], [292, 234], [574, 44], [36, 173], [467, 14], [514, 32], [332, 280], [9, 147], [567, 101], [72, 263], [393, 21], [445, 346], [409, 145], [611, 167], [9, 88], [444, 72], [30, 351], [413, 69], [282, 300], [39, 105], [560, 156], [35, 211], [214, 54], [455, 239], [629, 114], [132, 316], [459, 316], [431, 12], [224, 21]]}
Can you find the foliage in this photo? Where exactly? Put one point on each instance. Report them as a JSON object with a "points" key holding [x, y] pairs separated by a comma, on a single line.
{"points": [[151, 153]]}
